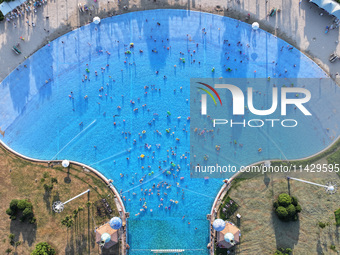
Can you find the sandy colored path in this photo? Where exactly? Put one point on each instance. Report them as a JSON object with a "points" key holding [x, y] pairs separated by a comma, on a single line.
{"points": [[298, 23]]}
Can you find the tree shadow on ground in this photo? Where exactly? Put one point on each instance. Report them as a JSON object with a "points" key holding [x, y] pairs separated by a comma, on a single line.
{"points": [[67, 179], [286, 233], [47, 201], [27, 230], [113, 250], [69, 249], [81, 237], [56, 197], [266, 180]]}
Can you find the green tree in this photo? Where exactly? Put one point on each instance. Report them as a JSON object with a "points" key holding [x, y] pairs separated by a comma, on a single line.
{"points": [[43, 248], [23, 204], [14, 205], [294, 201], [298, 208], [284, 200], [27, 213], [291, 210], [9, 212], [281, 212], [8, 251]]}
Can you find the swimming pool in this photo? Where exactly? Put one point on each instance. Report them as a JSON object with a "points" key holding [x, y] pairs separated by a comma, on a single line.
{"points": [[89, 97]]}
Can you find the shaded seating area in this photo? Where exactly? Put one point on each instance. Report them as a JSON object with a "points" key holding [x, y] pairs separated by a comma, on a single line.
{"points": [[18, 8], [7, 7], [107, 206], [229, 207]]}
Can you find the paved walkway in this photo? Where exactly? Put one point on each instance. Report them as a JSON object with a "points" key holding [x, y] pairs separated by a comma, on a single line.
{"points": [[298, 23]]}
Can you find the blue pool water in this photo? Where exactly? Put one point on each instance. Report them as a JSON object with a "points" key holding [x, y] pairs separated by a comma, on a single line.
{"points": [[46, 121]]}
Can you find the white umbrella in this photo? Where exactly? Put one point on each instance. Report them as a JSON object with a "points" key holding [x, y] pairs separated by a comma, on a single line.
{"points": [[219, 224], [96, 20], [65, 163], [255, 26]]}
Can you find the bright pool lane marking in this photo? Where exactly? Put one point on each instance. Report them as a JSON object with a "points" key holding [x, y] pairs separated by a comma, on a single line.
{"points": [[73, 139], [115, 155]]}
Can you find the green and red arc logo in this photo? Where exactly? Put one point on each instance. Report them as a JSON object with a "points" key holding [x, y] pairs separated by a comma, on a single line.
{"points": [[209, 93]]}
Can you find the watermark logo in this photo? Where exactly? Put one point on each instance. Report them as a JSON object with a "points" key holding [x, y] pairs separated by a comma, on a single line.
{"points": [[204, 97], [238, 99], [235, 122]]}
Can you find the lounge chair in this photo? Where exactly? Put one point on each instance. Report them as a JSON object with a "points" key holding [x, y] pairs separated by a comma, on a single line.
{"points": [[16, 50], [272, 12], [333, 57]]}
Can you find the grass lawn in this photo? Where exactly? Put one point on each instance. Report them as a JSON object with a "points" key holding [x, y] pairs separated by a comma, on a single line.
{"points": [[21, 179], [262, 231]]}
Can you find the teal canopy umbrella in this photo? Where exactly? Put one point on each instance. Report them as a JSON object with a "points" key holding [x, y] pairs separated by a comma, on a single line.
{"points": [[105, 238], [229, 238]]}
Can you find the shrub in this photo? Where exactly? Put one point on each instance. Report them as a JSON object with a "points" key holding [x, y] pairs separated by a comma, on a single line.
{"points": [[33, 220], [9, 250], [9, 212], [337, 217], [284, 200], [282, 251], [11, 238], [281, 212], [43, 249], [332, 247], [322, 225], [48, 187], [67, 221], [46, 175], [54, 180]]}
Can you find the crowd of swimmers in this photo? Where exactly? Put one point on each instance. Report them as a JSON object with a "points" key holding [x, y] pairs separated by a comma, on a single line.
{"points": [[170, 193]]}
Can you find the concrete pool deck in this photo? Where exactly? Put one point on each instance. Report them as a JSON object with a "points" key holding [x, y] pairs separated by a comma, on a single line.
{"points": [[299, 23]]}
